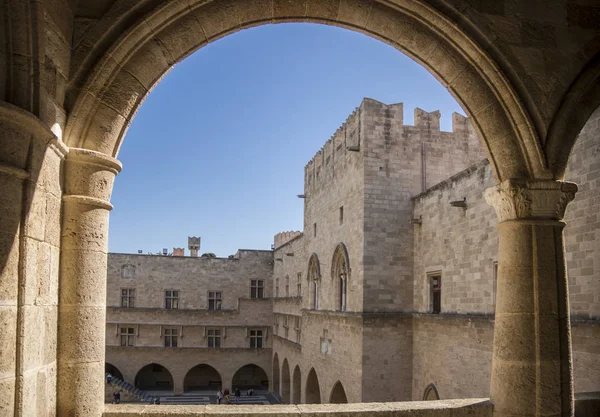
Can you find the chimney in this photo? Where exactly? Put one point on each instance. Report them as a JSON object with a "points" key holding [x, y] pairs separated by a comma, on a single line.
{"points": [[194, 246], [178, 252]]}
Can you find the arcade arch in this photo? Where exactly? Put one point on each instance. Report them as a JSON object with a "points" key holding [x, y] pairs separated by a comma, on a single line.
{"points": [[285, 382], [276, 385], [154, 377], [113, 370], [297, 386], [202, 377], [338, 394], [313, 390], [250, 376]]}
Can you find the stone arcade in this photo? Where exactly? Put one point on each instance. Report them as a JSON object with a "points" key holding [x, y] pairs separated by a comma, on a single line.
{"points": [[73, 73]]}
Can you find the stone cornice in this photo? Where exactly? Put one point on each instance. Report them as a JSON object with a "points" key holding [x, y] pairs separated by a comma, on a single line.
{"points": [[516, 199]]}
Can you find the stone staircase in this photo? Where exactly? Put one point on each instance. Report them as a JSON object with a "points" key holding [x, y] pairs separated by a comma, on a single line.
{"points": [[133, 391]]}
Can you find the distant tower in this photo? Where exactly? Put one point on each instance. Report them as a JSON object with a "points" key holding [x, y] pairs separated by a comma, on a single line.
{"points": [[194, 246]]}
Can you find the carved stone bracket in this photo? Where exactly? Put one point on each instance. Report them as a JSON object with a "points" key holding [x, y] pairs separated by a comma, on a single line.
{"points": [[522, 199]]}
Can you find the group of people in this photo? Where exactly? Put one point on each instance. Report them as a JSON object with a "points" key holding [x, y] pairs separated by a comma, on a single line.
{"points": [[224, 397]]}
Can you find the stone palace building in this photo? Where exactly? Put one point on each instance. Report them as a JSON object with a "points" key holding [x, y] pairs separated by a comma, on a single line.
{"points": [[388, 294]]}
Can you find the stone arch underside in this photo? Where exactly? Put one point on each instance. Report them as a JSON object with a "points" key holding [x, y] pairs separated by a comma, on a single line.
{"points": [[297, 386], [338, 394], [202, 377], [285, 382], [114, 88], [154, 377], [250, 376], [313, 390]]}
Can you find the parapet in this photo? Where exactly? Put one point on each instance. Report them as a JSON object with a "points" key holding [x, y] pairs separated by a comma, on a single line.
{"points": [[178, 252], [427, 120], [284, 237]]}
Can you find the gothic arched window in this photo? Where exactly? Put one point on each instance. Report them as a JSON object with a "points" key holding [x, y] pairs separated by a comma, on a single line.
{"points": [[314, 279], [340, 272]]}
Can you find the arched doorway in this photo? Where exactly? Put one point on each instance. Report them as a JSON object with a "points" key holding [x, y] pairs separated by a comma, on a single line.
{"points": [[275, 386], [250, 376], [431, 393], [113, 370], [313, 390], [202, 378], [285, 382], [154, 377], [297, 386], [338, 394]]}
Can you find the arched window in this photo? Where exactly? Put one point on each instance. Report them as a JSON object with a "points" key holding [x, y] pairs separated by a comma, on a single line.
{"points": [[128, 271], [340, 273], [314, 279], [431, 393]]}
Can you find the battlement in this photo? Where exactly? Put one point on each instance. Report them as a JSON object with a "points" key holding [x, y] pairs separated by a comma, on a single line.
{"points": [[363, 128], [284, 237]]}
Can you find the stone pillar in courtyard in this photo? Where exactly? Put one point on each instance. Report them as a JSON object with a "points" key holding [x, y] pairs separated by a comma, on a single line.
{"points": [[532, 363], [89, 178]]}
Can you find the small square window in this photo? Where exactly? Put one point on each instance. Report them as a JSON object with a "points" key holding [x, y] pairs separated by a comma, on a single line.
{"points": [[127, 336], [214, 338], [171, 337], [256, 339]]}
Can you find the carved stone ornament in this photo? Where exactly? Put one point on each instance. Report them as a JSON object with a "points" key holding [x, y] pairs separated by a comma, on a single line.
{"points": [[523, 199]]}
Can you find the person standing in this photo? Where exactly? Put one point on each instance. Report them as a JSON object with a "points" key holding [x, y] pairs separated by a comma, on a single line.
{"points": [[219, 396]]}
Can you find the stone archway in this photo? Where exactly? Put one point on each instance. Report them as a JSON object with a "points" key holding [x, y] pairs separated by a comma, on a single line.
{"points": [[313, 390], [202, 378], [250, 376], [285, 382], [113, 370], [338, 394], [154, 377], [297, 386], [276, 385]]}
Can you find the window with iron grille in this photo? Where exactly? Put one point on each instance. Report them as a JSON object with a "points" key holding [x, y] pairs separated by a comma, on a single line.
{"points": [[170, 337], [127, 297], [257, 288], [215, 301], [256, 339], [127, 336], [171, 300], [214, 338]]}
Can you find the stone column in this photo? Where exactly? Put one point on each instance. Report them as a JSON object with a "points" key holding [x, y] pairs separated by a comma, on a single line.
{"points": [[532, 363], [30, 197], [89, 178]]}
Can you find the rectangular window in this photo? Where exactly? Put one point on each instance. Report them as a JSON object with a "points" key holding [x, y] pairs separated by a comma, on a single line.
{"points": [[342, 215], [315, 229], [287, 285], [299, 285], [170, 337], [276, 287], [436, 294], [127, 335], [214, 338], [297, 328], [171, 300], [215, 301], [127, 298], [257, 288], [256, 339], [286, 327]]}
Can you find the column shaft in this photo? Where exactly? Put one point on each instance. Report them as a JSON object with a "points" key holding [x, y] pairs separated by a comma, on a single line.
{"points": [[89, 178], [531, 364]]}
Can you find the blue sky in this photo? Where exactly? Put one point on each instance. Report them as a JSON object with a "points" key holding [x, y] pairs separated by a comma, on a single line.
{"points": [[218, 148]]}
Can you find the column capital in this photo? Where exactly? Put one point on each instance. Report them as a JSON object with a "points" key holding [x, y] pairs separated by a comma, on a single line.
{"points": [[516, 199], [89, 177]]}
